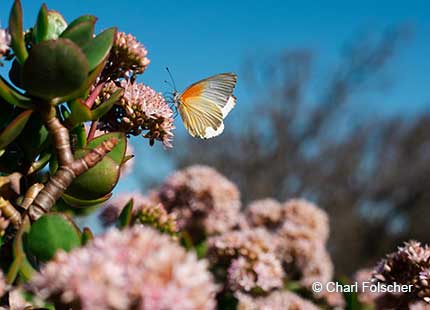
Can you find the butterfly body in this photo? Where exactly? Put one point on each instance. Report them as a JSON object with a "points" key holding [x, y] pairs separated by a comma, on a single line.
{"points": [[204, 105]]}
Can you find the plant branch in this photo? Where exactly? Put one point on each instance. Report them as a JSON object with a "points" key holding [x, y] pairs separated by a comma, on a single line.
{"points": [[65, 175], [9, 212], [69, 168], [60, 135]]}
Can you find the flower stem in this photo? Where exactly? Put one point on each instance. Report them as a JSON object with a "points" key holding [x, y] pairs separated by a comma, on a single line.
{"points": [[94, 94]]}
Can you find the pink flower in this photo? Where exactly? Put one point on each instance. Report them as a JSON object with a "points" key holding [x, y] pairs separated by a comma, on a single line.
{"points": [[204, 201], [141, 110], [278, 300], [137, 268], [127, 56], [252, 263]]}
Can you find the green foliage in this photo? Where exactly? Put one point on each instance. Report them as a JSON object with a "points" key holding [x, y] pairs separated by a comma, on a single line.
{"points": [[97, 182], [33, 138], [51, 233], [87, 236], [98, 49], [17, 32], [81, 34], [126, 215], [60, 64], [81, 113], [11, 96], [84, 203], [14, 129], [118, 153], [20, 264], [95, 185], [56, 25], [43, 72], [40, 31]]}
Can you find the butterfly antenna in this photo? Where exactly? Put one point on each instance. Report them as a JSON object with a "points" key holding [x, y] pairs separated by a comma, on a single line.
{"points": [[171, 78], [168, 83]]}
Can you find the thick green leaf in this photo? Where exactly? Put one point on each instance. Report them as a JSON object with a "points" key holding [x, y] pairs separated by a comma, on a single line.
{"points": [[10, 95], [40, 31], [54, 68], [118, 152], [81, 113], [83, 18], [25, 268], [13, 271], [80, 135], [107, 105], [96, 182], [56, 25], [76, 207], [14, 129], [84, 89], [81, 203], [15, 73], [87, 236], [33, 138], [126, 215], [40, 163], [50, 233], [6, 113], [81, 33], [98, 49], [17, 33]]}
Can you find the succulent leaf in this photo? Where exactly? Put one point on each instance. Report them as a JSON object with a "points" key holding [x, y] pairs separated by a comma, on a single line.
{"points": [[17, 33], [81, 33], [54, 68], [40, 31], [118, 153], [12, 131], [50, 233], [98, 49], [97, 182]]}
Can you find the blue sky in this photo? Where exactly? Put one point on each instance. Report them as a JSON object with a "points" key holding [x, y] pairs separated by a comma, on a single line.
{"points": [[197, 39]]}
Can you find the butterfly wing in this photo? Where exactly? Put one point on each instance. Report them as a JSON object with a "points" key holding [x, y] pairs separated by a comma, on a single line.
{"points": [[205, 104]]}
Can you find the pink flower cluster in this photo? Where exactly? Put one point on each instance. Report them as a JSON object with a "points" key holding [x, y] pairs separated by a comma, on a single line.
{"points": [[252, 253], [127, 56], [409, 265], [278, 300], [137, 268], [253, 265], [141, 110], [204, 201]]}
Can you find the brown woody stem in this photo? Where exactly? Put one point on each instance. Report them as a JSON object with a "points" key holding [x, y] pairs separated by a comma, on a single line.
{"points": [[65, 175], [9, 212], [69, 168], [60, 135]]}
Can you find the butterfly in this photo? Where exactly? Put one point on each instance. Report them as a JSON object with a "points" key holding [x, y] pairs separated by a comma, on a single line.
{"points": [[204, 105]]}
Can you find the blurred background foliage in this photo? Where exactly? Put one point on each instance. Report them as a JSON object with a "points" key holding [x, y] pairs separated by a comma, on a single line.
{"points": [[370, 173]]}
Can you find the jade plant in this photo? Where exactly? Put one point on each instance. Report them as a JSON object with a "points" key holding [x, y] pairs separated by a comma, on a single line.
{"points": [[67, 108]]}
